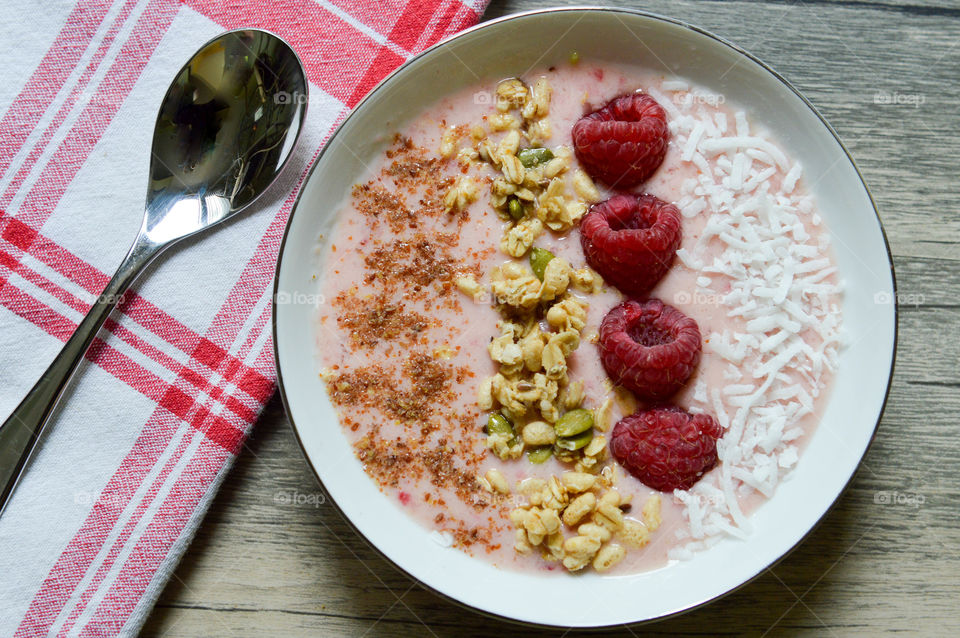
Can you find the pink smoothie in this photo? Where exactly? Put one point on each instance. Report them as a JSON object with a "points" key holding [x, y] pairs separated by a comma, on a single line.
{"points": [[419, 452]]}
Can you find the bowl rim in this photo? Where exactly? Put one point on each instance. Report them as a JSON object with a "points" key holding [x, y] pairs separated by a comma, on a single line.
{"points": [[579, 9]]}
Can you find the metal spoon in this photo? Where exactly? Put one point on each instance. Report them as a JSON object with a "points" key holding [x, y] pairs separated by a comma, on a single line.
{"points": [[225, 129]]}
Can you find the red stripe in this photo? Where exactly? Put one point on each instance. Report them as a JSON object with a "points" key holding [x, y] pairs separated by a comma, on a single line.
{"points": [[414, 19], [93, 280], [72, 153], [50, 75], [266, 355], [450, 22], [132, 373], [379, 15], [224, 433], [200, 381], [9, 261], [174, 407], [16, 232], [252, 380], [254, 281], [55, 324], [61, 115], [217, 430], [106, 499], [385, 62], [196, 483], [28, 239], [68, 570], [27, 307]]}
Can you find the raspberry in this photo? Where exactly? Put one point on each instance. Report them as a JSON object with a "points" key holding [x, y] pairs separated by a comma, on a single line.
{"points": [[624, 142], [666, 447], [649, 347], [631, 240]]}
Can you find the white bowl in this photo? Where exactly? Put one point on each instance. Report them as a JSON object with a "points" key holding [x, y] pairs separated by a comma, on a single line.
{"points": [[507, 47]]}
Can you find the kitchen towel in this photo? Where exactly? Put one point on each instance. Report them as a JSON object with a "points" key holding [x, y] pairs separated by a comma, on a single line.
{"points": [[169, 391]]}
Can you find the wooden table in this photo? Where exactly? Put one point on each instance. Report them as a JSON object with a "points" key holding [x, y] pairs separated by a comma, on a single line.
{"points": [[262, 568]]}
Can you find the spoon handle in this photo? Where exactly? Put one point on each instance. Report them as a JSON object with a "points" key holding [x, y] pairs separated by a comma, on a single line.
{"points": [[20, 432]]}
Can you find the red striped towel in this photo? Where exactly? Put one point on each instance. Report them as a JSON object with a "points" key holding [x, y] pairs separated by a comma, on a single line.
{"points": [[169, 391]]}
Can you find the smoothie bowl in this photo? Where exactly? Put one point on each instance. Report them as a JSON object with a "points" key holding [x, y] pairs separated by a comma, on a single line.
{"points": [[607, 319]]}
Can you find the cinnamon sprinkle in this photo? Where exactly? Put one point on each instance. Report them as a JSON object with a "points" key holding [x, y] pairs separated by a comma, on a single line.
{"points": [[410, 262], [422, 263], [371, 321], [374, 200], [429, 389]]}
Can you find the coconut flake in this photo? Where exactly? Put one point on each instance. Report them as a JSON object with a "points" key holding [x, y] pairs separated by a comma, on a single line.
{"points": [[756, 247], [694, 208], [743, 128], [687, 260], [443, 539], [790, 181], [724, 144], [721, 119], [788, 457]]}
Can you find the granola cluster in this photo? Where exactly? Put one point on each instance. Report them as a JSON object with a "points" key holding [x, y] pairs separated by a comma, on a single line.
{"points": [[533, 405], [584, 504], [532, 389]]}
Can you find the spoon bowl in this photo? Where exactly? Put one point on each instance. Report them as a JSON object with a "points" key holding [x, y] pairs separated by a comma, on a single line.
{"points": [[227, 124], [226, 128]]}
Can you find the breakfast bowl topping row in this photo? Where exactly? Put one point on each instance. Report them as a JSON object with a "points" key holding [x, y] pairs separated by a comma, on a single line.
{"points": [[646, 346], [535, 407]]}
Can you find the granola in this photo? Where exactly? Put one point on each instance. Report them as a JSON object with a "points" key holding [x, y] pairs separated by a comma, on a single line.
{"points": [[533, 404]]}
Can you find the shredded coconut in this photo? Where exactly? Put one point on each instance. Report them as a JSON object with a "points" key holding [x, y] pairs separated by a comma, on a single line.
{"points": [[757, 255]]}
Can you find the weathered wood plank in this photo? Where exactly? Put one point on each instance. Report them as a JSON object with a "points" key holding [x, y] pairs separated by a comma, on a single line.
{"points": [[259, 567]]}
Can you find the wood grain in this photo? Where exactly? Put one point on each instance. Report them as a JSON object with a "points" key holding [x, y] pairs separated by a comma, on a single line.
{"points": [[262, 568]]}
